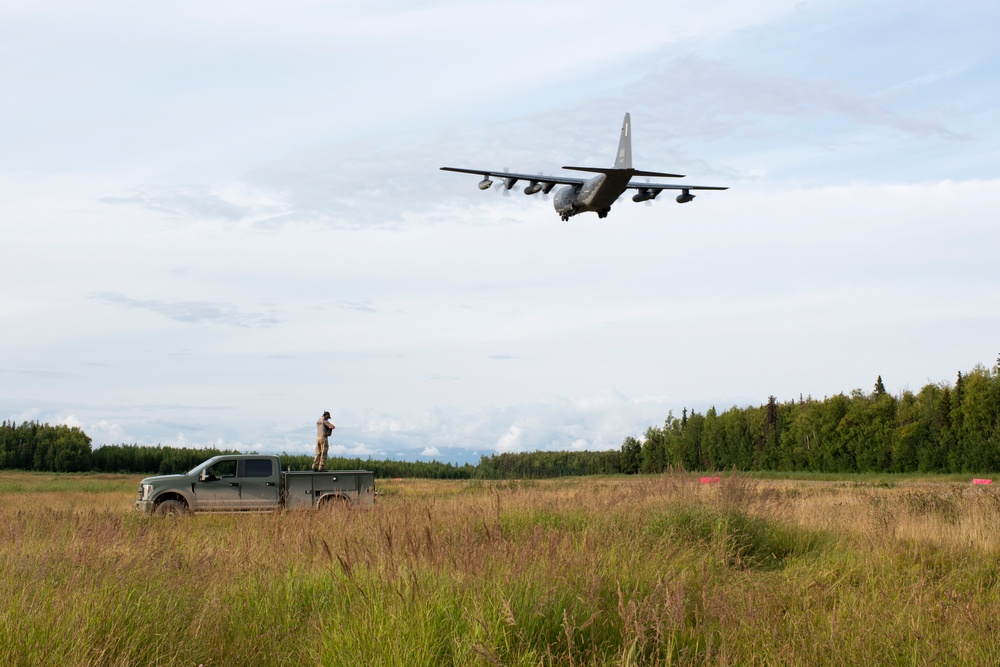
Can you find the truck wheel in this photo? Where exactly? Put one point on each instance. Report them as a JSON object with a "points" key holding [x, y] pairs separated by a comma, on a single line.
{"points": [[171, 508]]}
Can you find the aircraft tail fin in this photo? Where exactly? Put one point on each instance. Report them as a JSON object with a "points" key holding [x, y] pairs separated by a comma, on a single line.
{"points": [[623, 161], [624, 157]]}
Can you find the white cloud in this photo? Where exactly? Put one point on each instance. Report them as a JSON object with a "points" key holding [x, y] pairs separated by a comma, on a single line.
{"points": [[71, 421], [357, 449], [510, 441], [431, 451], [191, 311], [214, 262], [379, 424], [106, 432]]}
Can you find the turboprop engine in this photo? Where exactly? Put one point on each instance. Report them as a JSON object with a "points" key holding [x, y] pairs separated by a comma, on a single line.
{"points": [[684, 197], [645, 194]]}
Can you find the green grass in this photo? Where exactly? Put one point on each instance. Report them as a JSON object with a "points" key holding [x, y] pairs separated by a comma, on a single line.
{"points": [[39, 482], [609, 571], [868, 478]]}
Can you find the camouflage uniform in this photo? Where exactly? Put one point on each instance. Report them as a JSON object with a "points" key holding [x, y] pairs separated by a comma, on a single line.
{"points": [[323, 430]]}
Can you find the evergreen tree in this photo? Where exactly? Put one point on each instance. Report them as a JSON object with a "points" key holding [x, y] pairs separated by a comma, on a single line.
{"points": [[771, 437], [710, 441], [631, 456], [689, 440]]}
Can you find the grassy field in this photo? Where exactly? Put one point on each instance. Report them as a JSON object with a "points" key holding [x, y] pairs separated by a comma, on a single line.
{"points": [[592, 571]]}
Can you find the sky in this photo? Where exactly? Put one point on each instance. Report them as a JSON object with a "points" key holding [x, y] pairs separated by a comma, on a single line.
{"points": [[219, 219]]}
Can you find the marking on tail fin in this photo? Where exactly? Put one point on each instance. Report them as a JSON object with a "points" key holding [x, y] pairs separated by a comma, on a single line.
{"points": [[624, 158]]}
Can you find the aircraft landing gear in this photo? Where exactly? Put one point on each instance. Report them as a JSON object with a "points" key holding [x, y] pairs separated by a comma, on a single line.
{"points": [[565, 218], [603, 213]]}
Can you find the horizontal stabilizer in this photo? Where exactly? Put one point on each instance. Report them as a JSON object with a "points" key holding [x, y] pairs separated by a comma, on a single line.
{"points": [[630, 172], [639, 172]]}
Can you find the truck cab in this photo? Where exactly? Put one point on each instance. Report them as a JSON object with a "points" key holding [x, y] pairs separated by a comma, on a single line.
{"points": [[237, 483]]}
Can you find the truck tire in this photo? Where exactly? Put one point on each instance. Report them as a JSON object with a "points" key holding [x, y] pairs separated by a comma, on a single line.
{"points": [[171, 508]]}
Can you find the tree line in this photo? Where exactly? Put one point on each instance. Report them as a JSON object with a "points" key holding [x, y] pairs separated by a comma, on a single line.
{"points": [[34, 446], [45, 448], [941, 428], [386, 469]]}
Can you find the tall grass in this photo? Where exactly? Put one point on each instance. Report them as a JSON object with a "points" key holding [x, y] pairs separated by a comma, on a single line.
{"points": [[606, 571]]}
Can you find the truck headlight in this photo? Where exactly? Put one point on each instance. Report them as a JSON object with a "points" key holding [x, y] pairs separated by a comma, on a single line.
{"points": [[145, 491]]}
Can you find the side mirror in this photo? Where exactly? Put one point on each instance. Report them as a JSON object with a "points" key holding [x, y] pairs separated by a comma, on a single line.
{"points": [[203, 476]]}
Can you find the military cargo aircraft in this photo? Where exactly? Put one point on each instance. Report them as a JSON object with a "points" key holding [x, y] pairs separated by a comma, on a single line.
{"points": [[592, 194]]}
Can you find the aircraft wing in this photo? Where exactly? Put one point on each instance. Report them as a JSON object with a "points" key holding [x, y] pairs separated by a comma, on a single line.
{"points": [[649, 191], [509, 178], [671, 186]]}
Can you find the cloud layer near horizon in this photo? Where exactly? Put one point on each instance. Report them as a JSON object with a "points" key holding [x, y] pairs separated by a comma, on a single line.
{"points": [[221, 220]]}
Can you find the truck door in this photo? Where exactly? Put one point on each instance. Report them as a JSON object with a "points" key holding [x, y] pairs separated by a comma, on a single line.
{"points": [[218, 487], [258, 483]]}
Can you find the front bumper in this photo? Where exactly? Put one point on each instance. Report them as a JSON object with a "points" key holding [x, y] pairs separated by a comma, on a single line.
{"points": [[144, 506]]}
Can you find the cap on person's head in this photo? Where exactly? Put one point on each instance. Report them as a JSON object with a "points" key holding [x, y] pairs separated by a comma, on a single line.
{"points": [[326, 414]]}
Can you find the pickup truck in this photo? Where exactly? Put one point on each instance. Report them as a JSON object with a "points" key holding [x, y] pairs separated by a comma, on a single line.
{"points": [[248, 482]]}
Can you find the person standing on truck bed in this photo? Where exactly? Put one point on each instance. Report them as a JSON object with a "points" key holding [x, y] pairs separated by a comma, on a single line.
{"points": [[323, 430]]}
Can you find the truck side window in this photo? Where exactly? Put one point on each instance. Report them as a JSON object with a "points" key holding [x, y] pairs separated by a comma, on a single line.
{"points": [[259, 468], [222, 469]]}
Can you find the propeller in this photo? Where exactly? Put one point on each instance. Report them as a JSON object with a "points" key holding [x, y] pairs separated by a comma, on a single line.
{"points": [[649, 200], [534, 187], [547, 190], [504, 185]]}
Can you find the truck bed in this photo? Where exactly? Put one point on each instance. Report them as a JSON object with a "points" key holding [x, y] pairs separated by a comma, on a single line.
{"points": [[306, 489]]}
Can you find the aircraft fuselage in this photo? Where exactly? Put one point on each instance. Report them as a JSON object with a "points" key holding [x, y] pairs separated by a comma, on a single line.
{"points": [[596, 194]]}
